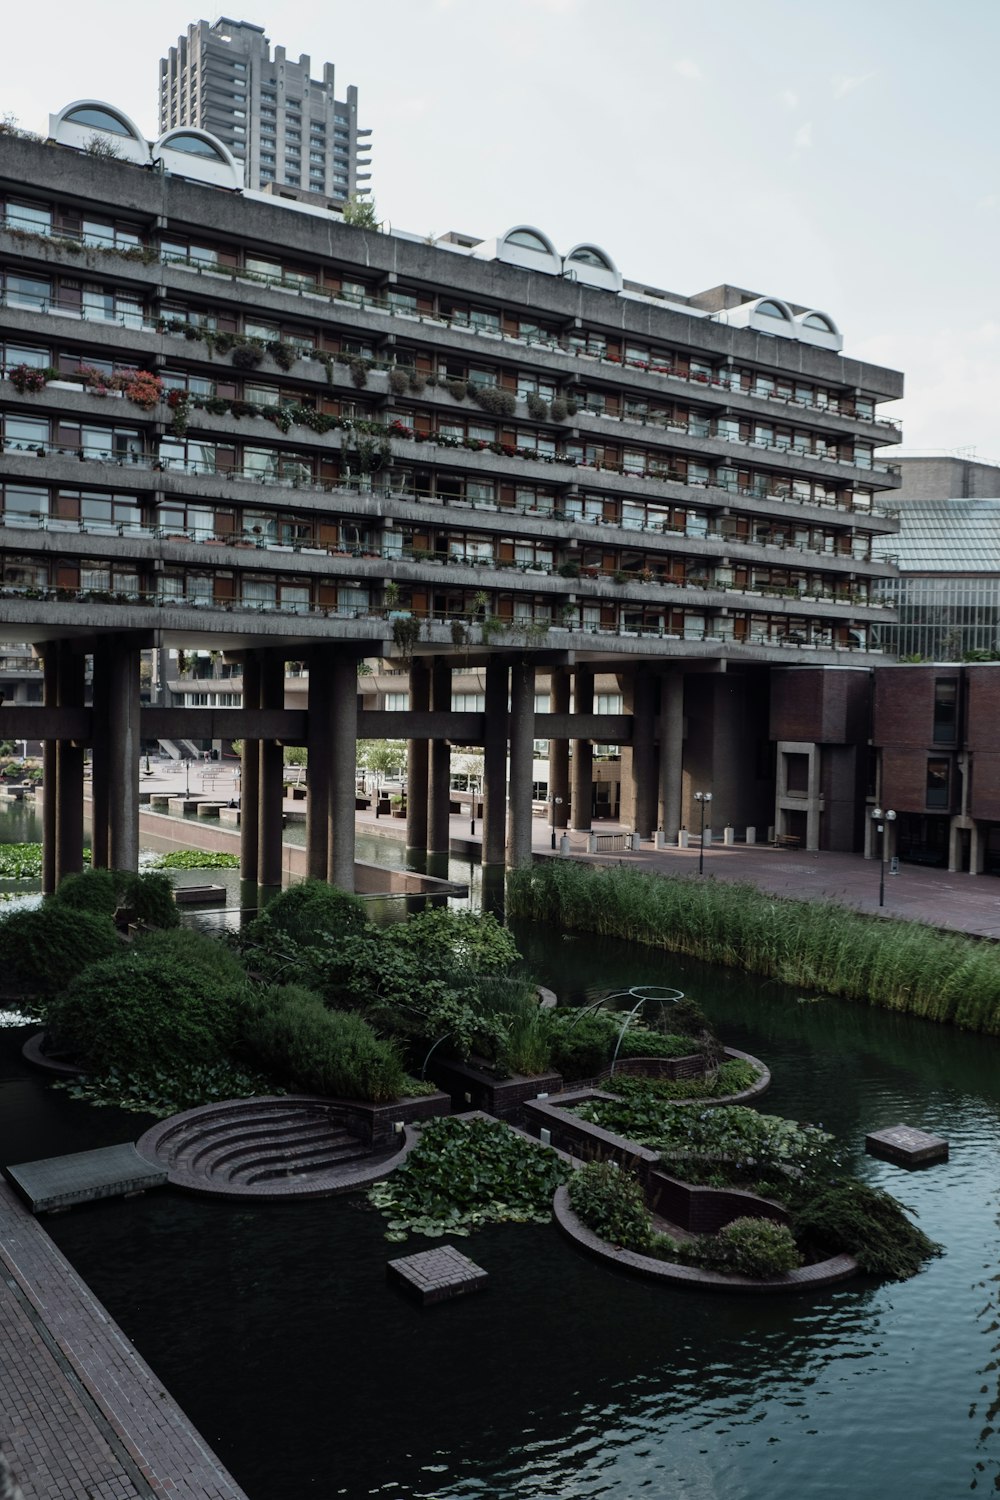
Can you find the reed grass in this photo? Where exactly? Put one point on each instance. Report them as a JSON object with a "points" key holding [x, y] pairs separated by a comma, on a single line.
{"points": [[810, 945]]}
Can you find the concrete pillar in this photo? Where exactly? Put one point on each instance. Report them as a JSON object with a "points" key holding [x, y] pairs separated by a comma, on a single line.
{"points": [[954, 847], [68, 785], [250, 776], [813, 800], [495, 762], [671, 753], [99, 775], [417, 758], [439, 789], [977, 850], [559, 750], [271, 789], [582, 765], [318, 770], [121, 665], [50, 655], [639, 781], [522, 749], [342, 732]]}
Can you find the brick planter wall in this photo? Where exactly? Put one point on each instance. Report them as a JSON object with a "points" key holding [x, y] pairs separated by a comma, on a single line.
{"points": [[475, 1088]]}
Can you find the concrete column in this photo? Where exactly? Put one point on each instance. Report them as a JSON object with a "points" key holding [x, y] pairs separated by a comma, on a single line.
{"points": [[250, 776], [271, 761], [68, 786], [318, 771], [342, 730], [639, 766], [813, 800], [522, 748], [122, 729], [99, 778], [559, 750], [977, 850], [439, 787], [417, 757], [582, 765], [495, 762], [50, 656], [671, 753]]}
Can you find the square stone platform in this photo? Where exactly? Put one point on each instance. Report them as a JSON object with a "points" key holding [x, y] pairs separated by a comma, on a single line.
{"points": [[437, 1275], [906, 1146], [56, 1182]]}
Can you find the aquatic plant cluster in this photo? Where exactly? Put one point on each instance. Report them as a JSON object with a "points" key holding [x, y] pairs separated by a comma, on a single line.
{"points": [[903, 966]]}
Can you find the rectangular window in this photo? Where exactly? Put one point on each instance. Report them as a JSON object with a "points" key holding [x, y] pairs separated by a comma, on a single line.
{"points": [[937, 784], [945, 710]]}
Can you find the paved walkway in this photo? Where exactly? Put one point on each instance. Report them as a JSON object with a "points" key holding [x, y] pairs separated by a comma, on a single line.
{"points": [[966, 903], [82, 1417]]}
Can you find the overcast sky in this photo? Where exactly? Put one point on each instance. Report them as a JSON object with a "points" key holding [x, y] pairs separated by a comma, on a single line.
{"points": [[843, 155]]}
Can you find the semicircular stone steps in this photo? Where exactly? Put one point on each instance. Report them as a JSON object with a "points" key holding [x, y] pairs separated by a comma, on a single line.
{"points": [[265, 1147]]}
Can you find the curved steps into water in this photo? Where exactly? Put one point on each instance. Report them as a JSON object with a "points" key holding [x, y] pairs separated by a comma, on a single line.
{"points": [[292, 1146]]}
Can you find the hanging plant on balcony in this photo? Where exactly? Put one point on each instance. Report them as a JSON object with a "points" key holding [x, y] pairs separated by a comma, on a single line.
{"points": [[284, 355], [405, 634], [144, 389], [179, 403], [247, 356], [28, 378]]}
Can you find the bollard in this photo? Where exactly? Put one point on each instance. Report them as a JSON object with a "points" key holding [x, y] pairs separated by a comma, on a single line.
{"points": [[661, 839], [706, 839], [751, 835], [682, 839], [636, 843], [564, 843], [729, 835], [591, 843]]}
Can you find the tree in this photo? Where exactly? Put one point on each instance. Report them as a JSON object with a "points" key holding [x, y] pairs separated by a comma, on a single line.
{"points": [[360, 212], [382, 758]]}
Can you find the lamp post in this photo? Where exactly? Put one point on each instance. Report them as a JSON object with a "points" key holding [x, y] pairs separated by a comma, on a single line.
{"points": [[702, 798], [880, 818], [554, 802]]}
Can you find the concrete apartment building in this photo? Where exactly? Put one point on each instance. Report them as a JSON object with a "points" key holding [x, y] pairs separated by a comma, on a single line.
{"points": [[236, 423], [285, 128]]}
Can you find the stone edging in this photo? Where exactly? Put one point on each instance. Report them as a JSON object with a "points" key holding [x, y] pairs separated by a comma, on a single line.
{"points": [[805, 1278], [33, 1054]]}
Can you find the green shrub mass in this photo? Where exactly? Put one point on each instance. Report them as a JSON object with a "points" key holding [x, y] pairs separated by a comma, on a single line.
{"points": [[463, 1174], [748, 1247], [289, 1031], [158, 1002], [307, 912], [41, 951], [610, 1202], [149, 897], [583, 1043], [864, 1222], [812, 945], [464, 940]]}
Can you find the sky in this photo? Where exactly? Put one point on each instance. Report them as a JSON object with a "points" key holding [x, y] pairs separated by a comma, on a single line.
{"points": [[845, 156]]}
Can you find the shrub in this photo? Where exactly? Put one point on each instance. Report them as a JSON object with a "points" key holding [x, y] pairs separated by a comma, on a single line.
{"points": [[465, 940], [358, 367], [307, 913], [750, 1247], [583, 1042], [398, 380], [290, 1032], [611, 1203], [167, 1000], [494, 399], [558, 409], [41, 951], [864, 1222], [149, 896], [247, 356], [538, 407]]}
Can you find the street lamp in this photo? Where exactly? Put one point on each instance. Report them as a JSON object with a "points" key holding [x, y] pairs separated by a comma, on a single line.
{"points": [[702, 798], [554, 802], [880, 818]]}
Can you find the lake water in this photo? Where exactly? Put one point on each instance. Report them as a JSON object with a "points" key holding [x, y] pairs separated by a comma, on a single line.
{"points": [[274, 1327]]}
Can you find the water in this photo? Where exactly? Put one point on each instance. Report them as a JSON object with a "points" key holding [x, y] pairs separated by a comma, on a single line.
{"points": [[274, 1328]]}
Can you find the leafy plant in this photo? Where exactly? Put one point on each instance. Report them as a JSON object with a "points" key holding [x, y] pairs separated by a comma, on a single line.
{"points": [[748, 1247], [290, 1032], [462, 1175], [361, 213], [405, 635], [41, 951], [538, 407], [164, 1093], [195, 859], [494, 399], [864, 1222], [359, 372], [399, 380], [610, 1201], [466, 940], [307, 913]]}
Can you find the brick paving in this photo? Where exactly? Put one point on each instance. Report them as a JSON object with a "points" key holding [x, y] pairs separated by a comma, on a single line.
{"points": [[82, 1417], [437, 1275]]}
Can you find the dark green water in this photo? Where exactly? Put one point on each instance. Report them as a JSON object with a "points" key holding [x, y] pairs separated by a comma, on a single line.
{"points": [[276, 1331]]}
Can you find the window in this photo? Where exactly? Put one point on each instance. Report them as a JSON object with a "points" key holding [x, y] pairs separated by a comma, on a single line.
{"points": [[771, 310], [945, 710], [27, 291], [193, 145], [100, 119], [937, 784], [527, 240]]}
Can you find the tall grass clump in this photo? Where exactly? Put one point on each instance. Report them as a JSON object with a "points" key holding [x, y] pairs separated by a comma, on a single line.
{"points": [[813, 945], [290, 1034]]}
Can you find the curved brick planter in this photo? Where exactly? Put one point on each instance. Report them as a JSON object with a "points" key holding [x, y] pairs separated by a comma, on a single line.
{"points": [[680, 1067], [806, 1278], [33, 1054], [285, 1146]]}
